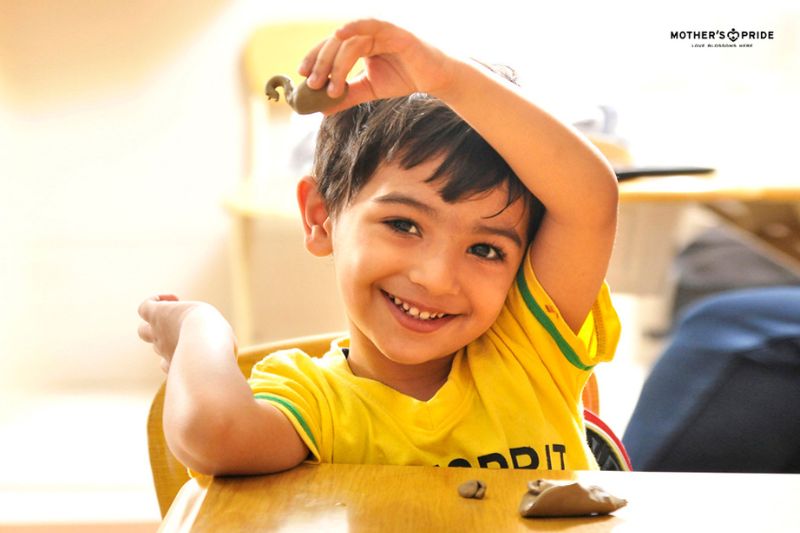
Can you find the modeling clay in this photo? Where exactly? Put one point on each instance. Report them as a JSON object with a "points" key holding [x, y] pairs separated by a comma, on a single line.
{"points": [[304, 100], [547, 498], [472, 489]]}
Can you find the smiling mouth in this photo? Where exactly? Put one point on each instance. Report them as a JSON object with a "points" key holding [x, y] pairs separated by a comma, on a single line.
{"points": [[412, 311]]}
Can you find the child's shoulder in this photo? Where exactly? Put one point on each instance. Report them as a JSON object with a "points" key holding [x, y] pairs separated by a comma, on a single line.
{"points": [[298, 360]]}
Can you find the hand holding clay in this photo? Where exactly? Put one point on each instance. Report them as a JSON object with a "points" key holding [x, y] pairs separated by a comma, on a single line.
{"points": [[547, 498], [304, 100]]}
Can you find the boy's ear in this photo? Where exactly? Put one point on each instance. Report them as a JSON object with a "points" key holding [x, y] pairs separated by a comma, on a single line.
{"points": [[316, 222]]}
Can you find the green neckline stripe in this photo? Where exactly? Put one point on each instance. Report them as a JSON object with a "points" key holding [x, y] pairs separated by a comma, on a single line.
{"points": [[545, 321], [292, 409]]}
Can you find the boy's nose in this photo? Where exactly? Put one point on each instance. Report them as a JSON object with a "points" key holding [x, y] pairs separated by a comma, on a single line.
{"points": [[436, 271]]}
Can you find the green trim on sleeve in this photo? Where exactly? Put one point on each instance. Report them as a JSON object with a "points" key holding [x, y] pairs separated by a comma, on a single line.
{"points": [[292, 409], [546, 323]]}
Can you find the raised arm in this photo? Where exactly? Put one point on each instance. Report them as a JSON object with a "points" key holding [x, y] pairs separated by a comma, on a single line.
{"points": [[579, 190], [212, 423], [571, 251]]}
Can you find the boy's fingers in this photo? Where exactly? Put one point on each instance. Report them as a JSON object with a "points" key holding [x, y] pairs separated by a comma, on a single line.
{"points": [[307, 64], [353, 48], [146, 332], [361, 27], [385, 37], [359, 91], [346, 58], [323, 63], [146, 307]]}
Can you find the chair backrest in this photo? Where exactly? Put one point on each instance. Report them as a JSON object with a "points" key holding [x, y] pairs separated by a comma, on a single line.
{"points": [[607, 448], [169, 475], [591, 395]]}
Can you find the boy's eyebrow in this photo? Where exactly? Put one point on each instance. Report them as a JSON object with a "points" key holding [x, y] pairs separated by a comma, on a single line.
{"points": [[398, 198], [500, 232]]}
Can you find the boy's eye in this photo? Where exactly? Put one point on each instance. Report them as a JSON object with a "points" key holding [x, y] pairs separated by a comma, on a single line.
{"points": [[403, 226], [487, 251]]}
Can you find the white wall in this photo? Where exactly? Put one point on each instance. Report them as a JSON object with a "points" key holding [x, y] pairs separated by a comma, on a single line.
{"points": [[122, 125], [118, 140]]}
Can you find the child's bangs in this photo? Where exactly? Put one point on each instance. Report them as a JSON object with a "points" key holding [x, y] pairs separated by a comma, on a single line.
{"points": [[470, 166]]}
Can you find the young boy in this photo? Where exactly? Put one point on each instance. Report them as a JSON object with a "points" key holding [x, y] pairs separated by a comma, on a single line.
{"points": [[470, 340]]}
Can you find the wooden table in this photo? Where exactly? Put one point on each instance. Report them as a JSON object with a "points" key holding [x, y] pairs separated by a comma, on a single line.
{"points": [[652, 227], [722, 186], [365, 498], [762, 209]]}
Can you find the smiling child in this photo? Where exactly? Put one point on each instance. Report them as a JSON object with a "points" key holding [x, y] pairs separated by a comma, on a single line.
{"points": [[470, 233]]}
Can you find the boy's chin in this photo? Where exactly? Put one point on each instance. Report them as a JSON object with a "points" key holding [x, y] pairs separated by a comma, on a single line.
{"points": [[410, 355]]}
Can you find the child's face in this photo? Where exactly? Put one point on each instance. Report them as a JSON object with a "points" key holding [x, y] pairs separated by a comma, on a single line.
{"points": [[421, 278]]}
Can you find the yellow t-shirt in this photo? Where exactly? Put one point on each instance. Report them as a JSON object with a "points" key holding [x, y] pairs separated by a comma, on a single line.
{"points": [[512, 399]]}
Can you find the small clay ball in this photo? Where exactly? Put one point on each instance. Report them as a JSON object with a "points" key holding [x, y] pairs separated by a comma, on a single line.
{"points": [[473, 488]]}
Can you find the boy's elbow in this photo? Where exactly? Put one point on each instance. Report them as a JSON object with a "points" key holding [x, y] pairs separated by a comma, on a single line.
{"points": [[611, 198], [211, 441], [603, 202], [201, 442], [221, 444], [607, 181]]}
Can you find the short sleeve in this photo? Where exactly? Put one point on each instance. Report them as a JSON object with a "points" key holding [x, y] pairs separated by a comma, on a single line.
{"points": [[532, 307], [532, 333], [291, 381]]}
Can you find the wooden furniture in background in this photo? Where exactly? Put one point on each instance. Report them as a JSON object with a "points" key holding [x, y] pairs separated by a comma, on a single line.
{"points": [[763, 210], [770, 226]]}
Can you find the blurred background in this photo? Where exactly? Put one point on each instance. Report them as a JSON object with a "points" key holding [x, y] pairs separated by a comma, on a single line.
{"points": [[124, 124]]}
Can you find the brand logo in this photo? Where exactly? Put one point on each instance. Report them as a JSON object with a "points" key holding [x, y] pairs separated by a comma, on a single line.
{"points": [[722, 38]]}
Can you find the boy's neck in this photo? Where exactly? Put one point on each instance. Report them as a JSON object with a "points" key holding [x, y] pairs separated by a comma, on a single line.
{"points": [[418, 381]]}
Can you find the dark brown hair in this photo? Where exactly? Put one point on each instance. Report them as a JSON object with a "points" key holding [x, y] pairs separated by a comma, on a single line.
{"points": [[409, 131]]}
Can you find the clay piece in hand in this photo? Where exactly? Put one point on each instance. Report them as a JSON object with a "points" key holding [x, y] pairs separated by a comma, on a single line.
{"points": [[472, 489], [548, 498], [303, 99]]}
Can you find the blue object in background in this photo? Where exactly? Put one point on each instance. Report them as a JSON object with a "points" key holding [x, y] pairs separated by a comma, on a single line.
{"points": [[725, 394]]}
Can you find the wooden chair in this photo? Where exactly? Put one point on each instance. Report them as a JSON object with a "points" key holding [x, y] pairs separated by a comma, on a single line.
{"points": [[169, 475]]}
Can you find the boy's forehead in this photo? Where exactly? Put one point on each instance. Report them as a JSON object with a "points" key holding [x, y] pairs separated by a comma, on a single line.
{"points": [[392, 184]]}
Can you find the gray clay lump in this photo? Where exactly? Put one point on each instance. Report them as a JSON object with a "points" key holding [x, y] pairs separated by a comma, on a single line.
{"points": [[303, 99], [546, 498]]}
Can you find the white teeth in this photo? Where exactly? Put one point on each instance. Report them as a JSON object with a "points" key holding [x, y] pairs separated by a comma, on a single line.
{"points": [[413, 311]]}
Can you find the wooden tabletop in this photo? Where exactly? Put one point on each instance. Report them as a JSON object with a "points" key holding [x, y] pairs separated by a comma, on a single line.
{"points": [[406, 498], [719, 186]]}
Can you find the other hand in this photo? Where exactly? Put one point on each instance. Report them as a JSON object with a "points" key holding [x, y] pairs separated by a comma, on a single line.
{"points": [[397, 63], [163, 316]]}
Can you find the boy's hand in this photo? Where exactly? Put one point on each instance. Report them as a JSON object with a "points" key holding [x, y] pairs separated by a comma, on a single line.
{"points": [[397, 64], [163, 316]]}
